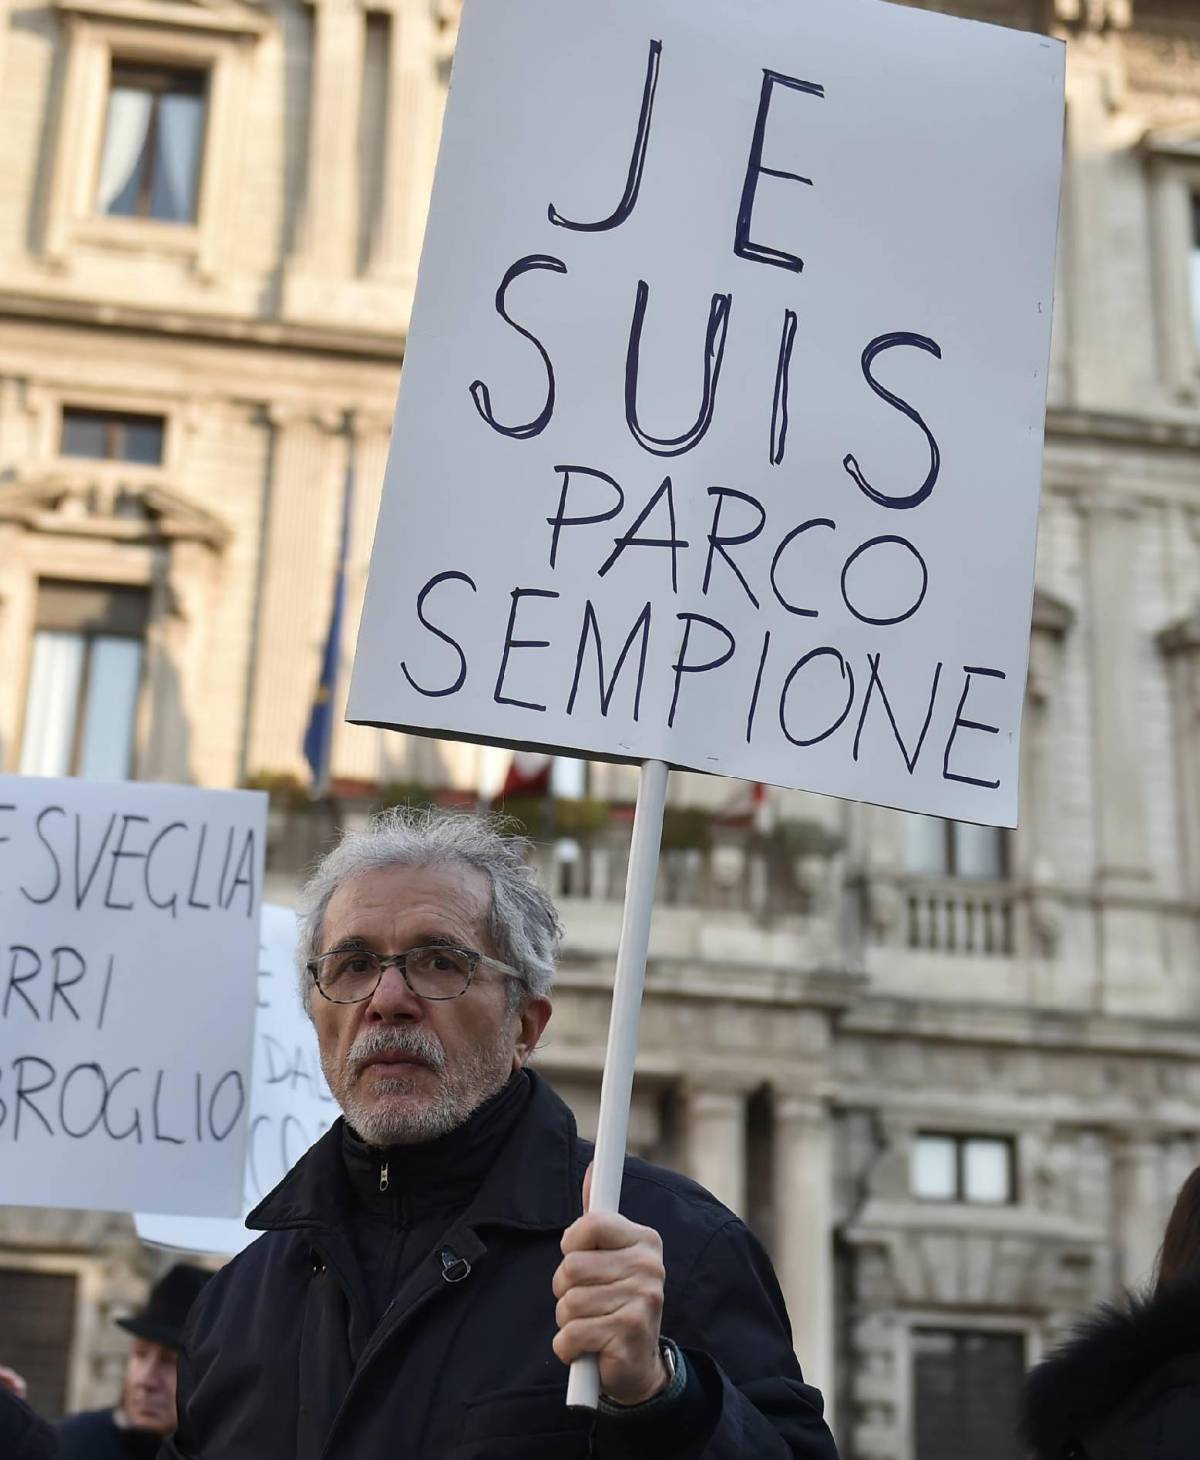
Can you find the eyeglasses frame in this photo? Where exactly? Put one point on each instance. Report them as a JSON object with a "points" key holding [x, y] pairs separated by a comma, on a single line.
{"points": [[400, 961]]}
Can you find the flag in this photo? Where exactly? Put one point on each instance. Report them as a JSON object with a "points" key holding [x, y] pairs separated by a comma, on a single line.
{"points": [[751, 802], [528, 774], [318, 738]]}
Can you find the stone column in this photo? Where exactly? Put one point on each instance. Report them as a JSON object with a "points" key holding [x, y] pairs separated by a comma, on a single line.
{"points": [[414, 109], [804, 1229], [1040, 915], [183, 586], [1181, 645], [714, 1140], [329, 233], [1129, 935], [296, 577], [1116, 712], [357, 749], [4, 8], [1141, 1206]]}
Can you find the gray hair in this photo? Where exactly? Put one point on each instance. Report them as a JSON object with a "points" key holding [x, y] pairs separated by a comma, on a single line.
{"points": [[523, 923]]}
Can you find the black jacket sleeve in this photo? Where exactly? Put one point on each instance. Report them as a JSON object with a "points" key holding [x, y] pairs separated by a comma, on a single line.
{"points": [[23, 1434], [753, 1403]]}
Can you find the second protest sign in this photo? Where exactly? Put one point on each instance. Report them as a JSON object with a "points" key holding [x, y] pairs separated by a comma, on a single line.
{"points": [[129, 922]]}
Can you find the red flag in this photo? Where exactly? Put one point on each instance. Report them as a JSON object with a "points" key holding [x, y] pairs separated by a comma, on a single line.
{"points": [[528, 775]]}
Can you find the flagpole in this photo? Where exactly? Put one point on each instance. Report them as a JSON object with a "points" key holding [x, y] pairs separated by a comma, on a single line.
{"points": [[616, 1090]]}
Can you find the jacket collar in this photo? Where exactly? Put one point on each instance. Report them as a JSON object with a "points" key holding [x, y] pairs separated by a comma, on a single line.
{"points": [[1114, 1352], [533, 1183]]}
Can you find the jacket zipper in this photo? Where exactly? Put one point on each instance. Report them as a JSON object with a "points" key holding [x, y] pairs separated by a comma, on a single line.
{"points": [[383, 1176]]}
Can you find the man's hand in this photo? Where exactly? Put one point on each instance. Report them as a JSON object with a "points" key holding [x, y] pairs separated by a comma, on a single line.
{"points": [[609, 1287]]}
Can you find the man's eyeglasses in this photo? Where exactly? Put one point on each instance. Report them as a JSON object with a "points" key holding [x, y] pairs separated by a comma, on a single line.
{"points": [[437, 971]]}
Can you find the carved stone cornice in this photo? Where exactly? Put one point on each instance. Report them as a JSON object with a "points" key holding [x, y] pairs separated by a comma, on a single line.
{"points": [[121, 507], [230, 17], [1094, 17], [1052, 621], [1182, 637], [1178, 143], [1051, 615]]}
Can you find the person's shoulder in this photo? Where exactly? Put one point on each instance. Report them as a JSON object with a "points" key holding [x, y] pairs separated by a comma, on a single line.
{"points": [[86, 1435], [87, 1422], [677, 1207], [256, 1266], [683, 1199]]}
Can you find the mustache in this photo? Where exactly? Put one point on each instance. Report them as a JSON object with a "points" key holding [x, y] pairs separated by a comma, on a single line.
{"points": [[420, 1044]]}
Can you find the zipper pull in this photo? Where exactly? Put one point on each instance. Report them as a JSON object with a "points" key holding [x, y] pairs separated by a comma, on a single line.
{"points": [[383, 1176]]}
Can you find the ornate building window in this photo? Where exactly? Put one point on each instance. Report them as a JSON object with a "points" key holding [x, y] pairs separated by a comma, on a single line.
{"points": [[153, 135], [937, 848], [111, 436], [966, 1394], [979, 1170], [81, 703], [149, 138]]}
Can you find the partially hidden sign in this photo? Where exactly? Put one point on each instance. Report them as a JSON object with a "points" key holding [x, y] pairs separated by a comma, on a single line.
{"points": [[290, 1104], [720, 429], [129, 922]]}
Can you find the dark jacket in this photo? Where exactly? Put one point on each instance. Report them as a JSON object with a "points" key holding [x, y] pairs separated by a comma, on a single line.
{"points": [[95, 1435], [1127, 1386], [460, 1366], [24, 1435]]}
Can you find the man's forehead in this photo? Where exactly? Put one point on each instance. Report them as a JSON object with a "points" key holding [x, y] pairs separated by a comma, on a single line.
{"points": [[454, 891]]}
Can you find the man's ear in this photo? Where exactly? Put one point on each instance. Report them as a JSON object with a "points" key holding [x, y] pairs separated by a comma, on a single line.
{"points": [[532, 1018]]}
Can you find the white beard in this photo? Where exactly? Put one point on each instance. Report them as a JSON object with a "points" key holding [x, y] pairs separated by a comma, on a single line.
{"points": [[401, 1110]]}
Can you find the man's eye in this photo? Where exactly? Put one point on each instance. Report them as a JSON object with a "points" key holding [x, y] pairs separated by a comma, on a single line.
{"points": [[351, 964]]}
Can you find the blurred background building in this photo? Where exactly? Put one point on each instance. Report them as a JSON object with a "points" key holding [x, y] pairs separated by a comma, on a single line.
{"points": [[951, 1075]]}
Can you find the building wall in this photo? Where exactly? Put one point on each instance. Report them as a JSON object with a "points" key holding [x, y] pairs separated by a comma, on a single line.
{"points": [[814, 1005]]}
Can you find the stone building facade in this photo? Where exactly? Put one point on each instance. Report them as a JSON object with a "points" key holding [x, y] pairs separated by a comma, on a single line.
{"points": [[951, 1076]]}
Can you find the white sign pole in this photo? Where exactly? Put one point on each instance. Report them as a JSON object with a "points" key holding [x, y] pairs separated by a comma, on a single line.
{"points": [[583, 1387]]}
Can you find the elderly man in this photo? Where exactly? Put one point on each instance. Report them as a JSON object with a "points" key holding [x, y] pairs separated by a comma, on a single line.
{"points": [[428, 1270], [145, 1414]]}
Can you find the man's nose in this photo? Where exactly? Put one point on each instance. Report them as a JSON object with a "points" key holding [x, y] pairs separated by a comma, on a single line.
{"points": [[393, 1001]]}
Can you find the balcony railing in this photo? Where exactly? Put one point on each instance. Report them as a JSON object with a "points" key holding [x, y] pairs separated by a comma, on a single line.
{"points": [[960, 916], [737, 870]]}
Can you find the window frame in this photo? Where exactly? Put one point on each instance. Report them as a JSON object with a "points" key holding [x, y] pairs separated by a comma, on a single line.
{"points": [[89, 637], [949, 827], [116, 416], [100, 33], [157, 80], [961, 1140]]}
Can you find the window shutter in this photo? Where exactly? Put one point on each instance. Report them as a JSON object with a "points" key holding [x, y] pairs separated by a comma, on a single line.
{"points": [[967, 1390], [38, 1310]]}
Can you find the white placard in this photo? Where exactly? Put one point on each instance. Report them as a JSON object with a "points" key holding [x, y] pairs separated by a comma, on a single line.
{"points": [[128, 939], [290, 1103], [719, 436]]}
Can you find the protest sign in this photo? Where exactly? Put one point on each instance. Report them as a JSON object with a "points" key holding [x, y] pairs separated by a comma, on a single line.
{"points": [[719, 435], [128, 938], [290, 1104]]}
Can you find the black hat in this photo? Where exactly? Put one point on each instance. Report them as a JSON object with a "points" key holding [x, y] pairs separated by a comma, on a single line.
{"points": [[163, 1318]]}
